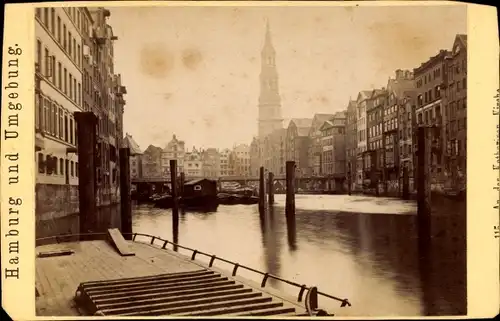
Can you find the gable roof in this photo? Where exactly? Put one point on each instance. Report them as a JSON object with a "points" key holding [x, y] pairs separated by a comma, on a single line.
{"points": [[363, 95], [197, 181], [463, 39], [303, 125], [129, 142], [301, 122], [326, 125], [153, 149], [318, 121]]}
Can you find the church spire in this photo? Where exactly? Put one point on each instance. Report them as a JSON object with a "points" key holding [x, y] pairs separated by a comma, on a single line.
{"points": [[269, 100], [268, 33]]}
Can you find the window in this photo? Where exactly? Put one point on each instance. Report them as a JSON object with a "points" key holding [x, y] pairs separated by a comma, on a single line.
{"points": [[41, 163], [71, 86], [52, 118], [59, 76], [46, 114], [79, 55], [59, 29], [74, 89], [76, 169], [64, 37], [61, 127], [66, 128], [47, 64], [53, 69], [464, 83], [72, 169], [56, 120], [70, 38], [65, 81], [79, 92], [53, 20], [46, 17], [71, 131], [39, 53], [38, 112], [74, 49], [61, 166]]}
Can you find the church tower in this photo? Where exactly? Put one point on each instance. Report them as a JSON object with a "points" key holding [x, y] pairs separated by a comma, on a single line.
{"points": [[270, 117]]}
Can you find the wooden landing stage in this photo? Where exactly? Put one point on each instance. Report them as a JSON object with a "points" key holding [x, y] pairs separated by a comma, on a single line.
{"points": [[151, 282]]}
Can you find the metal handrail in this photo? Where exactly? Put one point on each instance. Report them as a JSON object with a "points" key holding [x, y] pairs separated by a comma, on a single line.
{"points": [[266, 276]]}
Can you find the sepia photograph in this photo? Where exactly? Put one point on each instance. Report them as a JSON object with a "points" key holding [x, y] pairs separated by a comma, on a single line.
{"points": [[250, 160]]}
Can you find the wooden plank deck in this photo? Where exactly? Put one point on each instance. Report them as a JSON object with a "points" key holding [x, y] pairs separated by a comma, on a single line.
{"points": [[58, 277]]}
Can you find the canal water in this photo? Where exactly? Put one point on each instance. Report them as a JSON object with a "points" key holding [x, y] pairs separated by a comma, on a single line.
{"points": [[361, 248]]}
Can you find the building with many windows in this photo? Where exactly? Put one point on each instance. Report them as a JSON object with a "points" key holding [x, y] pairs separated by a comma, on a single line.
{"points": [[241, 160], [175, 149], [297, 144], [315, 152], [362, 158], [74, 73], [193, 164], [211, 163], [151, 162], [430, 81], [226, 163], [455, 114]]}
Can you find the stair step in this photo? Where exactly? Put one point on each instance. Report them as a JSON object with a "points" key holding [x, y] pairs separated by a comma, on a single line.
{"points": [[170, 297], [236, 308], [212, 283], [184, 303], [233, 304], [270, 311], [137, 284], [151, 277]]}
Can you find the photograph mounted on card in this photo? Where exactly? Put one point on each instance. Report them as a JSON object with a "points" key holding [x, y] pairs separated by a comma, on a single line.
{"points": [[265, 159]]}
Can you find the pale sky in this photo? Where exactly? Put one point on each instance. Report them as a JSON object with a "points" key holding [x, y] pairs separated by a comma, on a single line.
{"points": [[194, 71]]}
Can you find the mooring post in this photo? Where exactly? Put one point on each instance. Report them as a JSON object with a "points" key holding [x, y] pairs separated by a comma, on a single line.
{"points": [[349, 179], [406, 184], [271, 188], [290, 189], [86, 125], [423, 185], [262, 190], [175, 200], [125, 201]]}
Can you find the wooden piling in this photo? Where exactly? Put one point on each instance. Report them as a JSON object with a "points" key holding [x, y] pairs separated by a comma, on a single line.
{"points": [[262, 191], [86, 125], [175, 200], [406, 184], [290, 189], [423, 185], [125, 201], [270, 188], [349, 179]]}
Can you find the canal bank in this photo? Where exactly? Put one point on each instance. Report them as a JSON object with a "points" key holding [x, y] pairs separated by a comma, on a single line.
{"points": [[366, 249]]}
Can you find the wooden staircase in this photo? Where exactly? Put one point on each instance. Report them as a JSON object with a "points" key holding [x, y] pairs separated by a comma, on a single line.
{"points": [[198, 293]]}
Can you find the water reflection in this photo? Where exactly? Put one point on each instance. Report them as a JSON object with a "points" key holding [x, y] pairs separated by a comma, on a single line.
{"points": [[271, 245], [372, 259]]}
